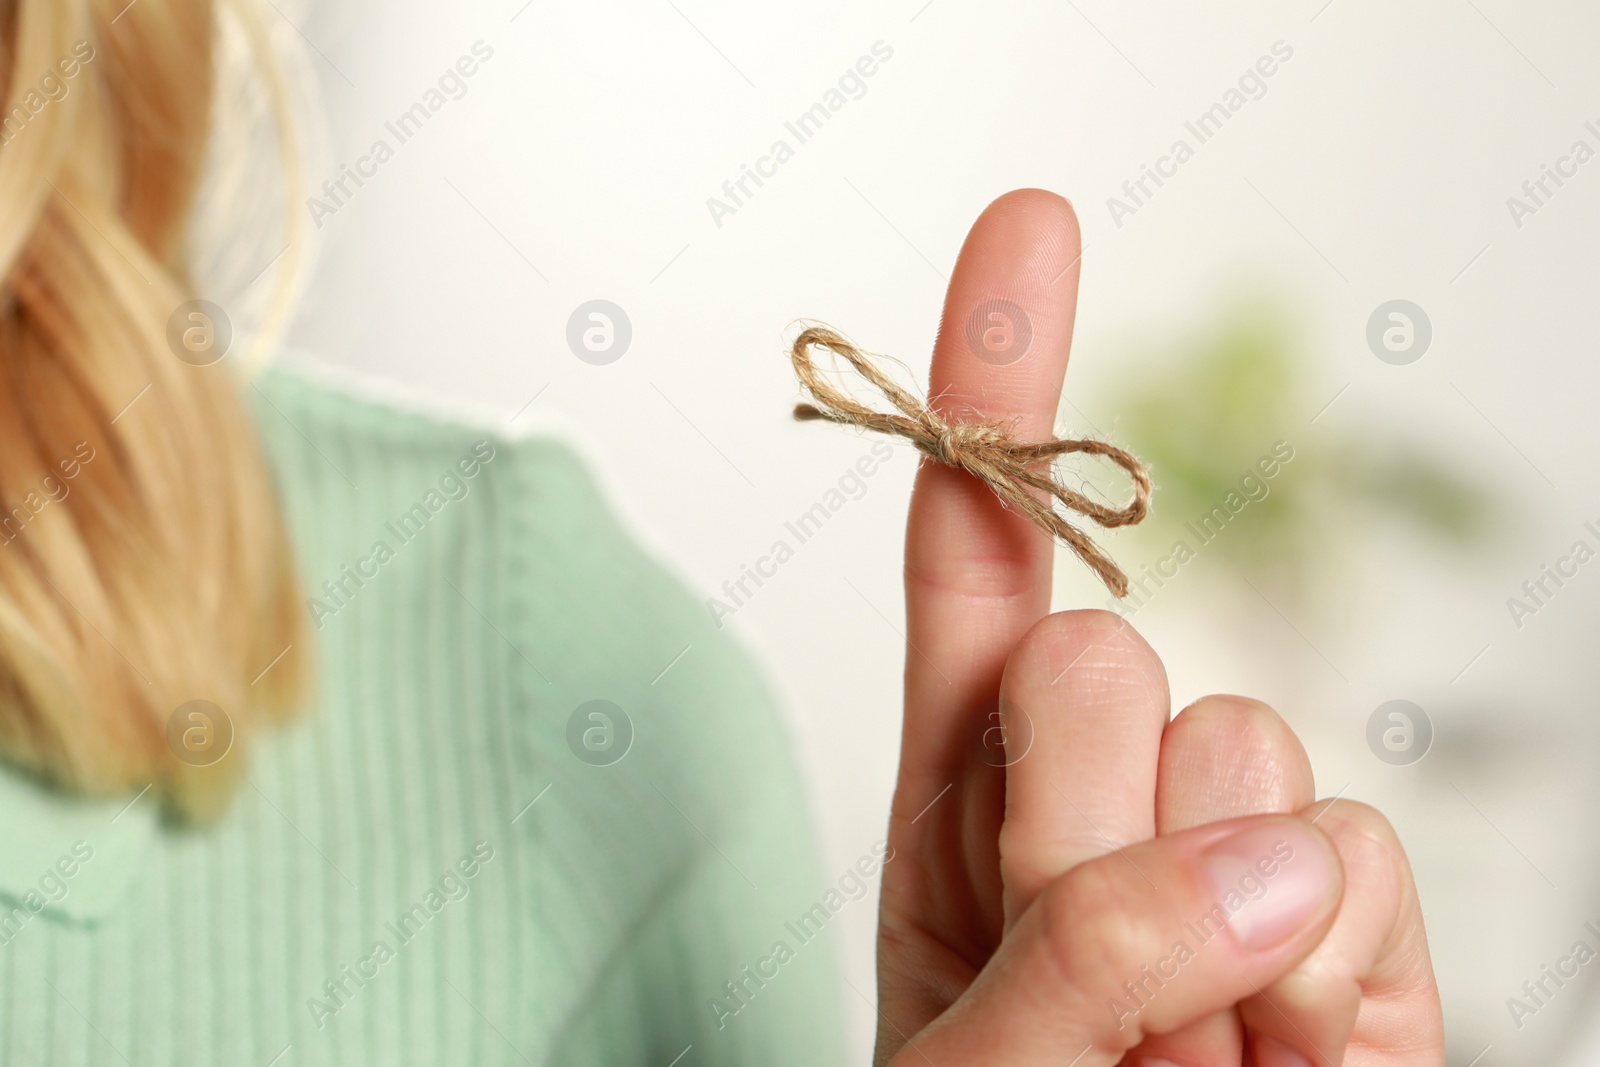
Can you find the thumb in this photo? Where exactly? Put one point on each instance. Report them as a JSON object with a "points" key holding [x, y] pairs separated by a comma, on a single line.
{"points": [[1144, 941]]}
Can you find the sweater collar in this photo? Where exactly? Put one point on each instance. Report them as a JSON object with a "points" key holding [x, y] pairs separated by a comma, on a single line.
{"points": [[64, 857]]}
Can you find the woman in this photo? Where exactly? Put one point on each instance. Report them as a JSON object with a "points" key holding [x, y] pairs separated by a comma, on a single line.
{"points": [[339, 734]]}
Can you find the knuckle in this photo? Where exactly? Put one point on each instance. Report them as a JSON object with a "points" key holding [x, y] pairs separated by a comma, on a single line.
{"points": [[1227, 726], [1090, 626], [1374, 860], [1378, 945], [1097, 927], [1360, 829], [1227, 711], [1068, 638], [1237, 740], [1029, 862]]}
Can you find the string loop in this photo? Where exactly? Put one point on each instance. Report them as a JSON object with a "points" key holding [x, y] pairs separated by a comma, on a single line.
{"points": [[1017, 471]]}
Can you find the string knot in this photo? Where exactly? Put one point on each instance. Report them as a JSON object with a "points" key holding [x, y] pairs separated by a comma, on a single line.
{"points": [[957, 444], [1019, 473]]}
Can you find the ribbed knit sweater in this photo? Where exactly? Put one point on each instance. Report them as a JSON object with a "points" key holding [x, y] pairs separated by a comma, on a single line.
{"points": [[442, 861]]}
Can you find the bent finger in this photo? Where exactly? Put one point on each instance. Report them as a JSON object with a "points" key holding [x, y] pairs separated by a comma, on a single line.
{"points": [[1366, 997], [1085, 699], [1223, 757]]}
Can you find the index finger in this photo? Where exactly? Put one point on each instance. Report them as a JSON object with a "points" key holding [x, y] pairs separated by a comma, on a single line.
{"points": [[977, 574]]}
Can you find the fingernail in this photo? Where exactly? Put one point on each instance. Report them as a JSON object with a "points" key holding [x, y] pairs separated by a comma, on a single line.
{"points": [[1271, 1052], [1268, 882], [1156, 1062]]}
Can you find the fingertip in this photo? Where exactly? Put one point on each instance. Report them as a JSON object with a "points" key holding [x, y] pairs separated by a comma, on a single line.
{"points": [[1030, 238], [1007, 324], [1041, 206]]}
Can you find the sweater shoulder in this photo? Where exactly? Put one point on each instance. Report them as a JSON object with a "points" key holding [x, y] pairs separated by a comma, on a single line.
{"points": [[586, 606]]}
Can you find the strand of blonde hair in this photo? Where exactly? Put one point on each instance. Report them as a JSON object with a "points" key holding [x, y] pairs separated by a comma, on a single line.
{"points": [[158, 571]]}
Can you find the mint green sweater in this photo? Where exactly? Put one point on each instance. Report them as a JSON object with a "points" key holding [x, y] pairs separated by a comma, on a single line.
{"points": [[445, 861]]}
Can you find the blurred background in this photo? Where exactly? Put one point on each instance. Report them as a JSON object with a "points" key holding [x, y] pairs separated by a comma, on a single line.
{"points": [[1361, 261]]}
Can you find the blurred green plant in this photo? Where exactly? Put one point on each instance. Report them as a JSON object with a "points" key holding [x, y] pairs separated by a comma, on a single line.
{"points": [[1203, 412]]}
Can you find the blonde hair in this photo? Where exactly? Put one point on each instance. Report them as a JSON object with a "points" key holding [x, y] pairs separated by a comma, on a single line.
{"points": [[143, 559]]}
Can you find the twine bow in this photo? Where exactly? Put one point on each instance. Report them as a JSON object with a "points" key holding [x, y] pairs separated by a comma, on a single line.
{"points": [[1008, 467]]}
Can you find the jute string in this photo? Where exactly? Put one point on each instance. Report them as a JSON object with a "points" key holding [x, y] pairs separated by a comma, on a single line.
{"points": [[1010, 468]]}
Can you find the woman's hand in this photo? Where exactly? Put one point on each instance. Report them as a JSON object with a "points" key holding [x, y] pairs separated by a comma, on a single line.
{"points": [[1063, 890]]}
